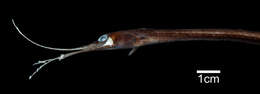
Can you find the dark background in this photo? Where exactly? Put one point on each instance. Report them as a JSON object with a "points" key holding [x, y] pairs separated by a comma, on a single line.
{"points": [[169, 65]]}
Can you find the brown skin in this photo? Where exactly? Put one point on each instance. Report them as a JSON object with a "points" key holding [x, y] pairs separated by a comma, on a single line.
{"points": [[141, 37]]}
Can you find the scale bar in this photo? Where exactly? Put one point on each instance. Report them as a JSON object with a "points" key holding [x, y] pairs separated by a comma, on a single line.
{"points": [[208, 71]]}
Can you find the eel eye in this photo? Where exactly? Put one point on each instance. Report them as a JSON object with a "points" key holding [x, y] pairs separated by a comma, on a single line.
{"points": [[103, 38]]}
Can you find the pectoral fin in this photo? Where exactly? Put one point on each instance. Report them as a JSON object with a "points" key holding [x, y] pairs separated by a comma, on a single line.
{"points": [[132, 51]]}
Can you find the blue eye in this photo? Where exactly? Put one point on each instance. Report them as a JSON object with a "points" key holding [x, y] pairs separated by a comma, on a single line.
{"points": [[103, 38]]}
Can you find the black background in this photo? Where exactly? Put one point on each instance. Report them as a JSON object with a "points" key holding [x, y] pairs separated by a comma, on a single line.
{"points": [[169, 65]]}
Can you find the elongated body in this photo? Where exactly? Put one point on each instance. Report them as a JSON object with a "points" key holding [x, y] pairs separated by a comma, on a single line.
{"points": [[141, 37]]}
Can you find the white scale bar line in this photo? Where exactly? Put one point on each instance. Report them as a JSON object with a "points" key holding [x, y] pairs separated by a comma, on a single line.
{"points": [[208, 71]]}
